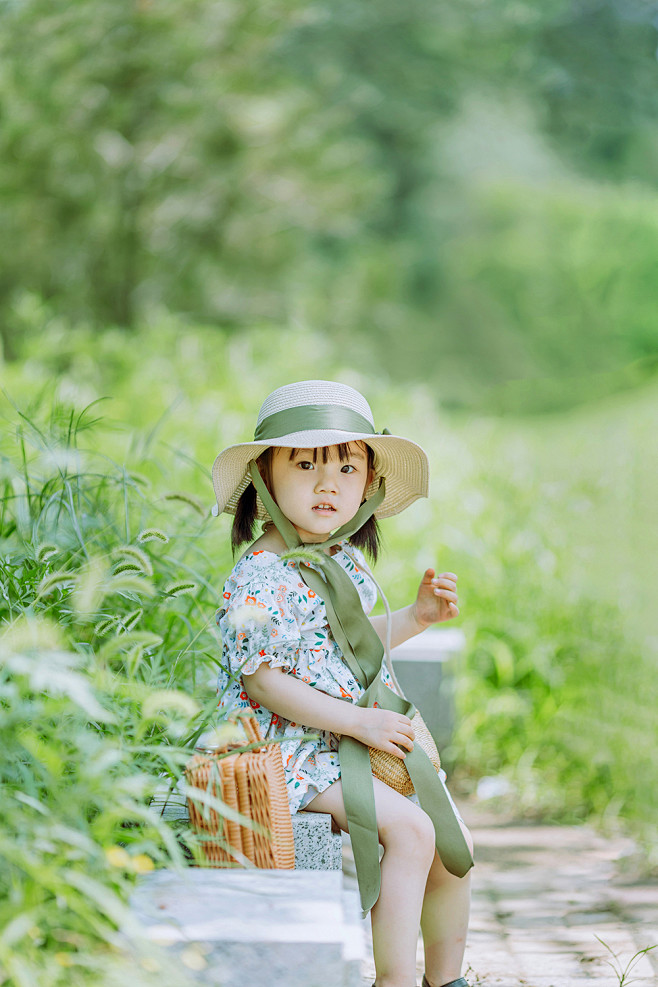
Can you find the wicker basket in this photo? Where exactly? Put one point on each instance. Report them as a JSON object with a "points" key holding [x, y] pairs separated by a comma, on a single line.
{"points": [[252, 783], [391, 769]]}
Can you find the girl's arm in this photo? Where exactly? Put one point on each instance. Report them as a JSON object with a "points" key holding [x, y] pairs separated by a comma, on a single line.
{"points": [[404, 624], [293, 699], [436, 601]]}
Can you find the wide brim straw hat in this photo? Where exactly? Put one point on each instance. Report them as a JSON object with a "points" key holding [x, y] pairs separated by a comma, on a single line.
{"points": [[314, 413]]}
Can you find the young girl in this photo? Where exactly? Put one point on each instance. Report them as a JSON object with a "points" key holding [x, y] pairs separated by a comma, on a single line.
{"points": [[300, 650]]}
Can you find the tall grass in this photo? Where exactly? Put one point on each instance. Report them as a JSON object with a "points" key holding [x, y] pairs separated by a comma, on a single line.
{"points": [[106, 664]]}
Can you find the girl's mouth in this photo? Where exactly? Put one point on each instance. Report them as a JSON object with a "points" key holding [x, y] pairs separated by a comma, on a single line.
{"points": [[324, 509]]}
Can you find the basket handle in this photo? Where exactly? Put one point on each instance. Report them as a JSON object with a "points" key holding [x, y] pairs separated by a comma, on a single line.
{"points": [[251, 728]]}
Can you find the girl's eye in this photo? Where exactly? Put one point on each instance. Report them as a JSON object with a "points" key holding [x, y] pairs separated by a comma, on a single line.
{"points": [[305, 464], [347, 468]]}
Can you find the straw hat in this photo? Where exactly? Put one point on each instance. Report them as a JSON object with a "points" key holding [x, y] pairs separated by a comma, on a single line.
{"points": [[314, 413]]}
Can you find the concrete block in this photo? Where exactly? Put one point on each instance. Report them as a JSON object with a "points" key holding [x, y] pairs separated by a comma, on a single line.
{"points": [[316, 847], [422, 667], [293, 928]]}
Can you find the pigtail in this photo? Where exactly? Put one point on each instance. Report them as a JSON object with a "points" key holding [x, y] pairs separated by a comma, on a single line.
{"points": [[245, 518], [368, 538]]}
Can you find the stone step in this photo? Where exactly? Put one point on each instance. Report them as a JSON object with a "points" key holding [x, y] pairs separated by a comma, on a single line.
{"points": [[255, 927]]}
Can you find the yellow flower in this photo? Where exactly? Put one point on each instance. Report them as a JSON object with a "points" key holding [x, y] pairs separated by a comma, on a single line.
{"points": [[118, 857], [64, 959], [142, 864]]}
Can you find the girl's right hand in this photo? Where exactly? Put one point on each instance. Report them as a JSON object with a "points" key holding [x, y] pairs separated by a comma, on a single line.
{"points": [[384, 730]]}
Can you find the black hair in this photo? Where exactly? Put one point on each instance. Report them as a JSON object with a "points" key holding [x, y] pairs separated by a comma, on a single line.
{"points": [[367, 537]]}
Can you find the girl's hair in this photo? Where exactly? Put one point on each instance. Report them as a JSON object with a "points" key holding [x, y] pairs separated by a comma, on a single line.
{"points": [[367, 537]]}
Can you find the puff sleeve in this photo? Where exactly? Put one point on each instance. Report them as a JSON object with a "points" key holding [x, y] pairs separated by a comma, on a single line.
{"points": [[259, 624]]}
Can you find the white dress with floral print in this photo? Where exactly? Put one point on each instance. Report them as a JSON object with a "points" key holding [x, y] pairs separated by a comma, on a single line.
{"points": [[270, 615]]}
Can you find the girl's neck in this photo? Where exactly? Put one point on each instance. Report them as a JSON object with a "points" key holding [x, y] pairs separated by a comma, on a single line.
{"points": [[271, 541]]}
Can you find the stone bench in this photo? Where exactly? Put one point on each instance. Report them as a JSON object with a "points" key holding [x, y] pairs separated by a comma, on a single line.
{"points": [[316, 846], [423, 666], [239, 927], [295, 928]]}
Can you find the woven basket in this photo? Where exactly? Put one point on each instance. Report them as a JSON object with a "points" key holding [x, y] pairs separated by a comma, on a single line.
{"points": [[391, 769], [252, 783]]}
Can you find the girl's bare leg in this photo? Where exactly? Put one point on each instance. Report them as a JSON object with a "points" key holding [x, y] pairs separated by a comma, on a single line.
{"points": [[444, 921], [407, 835]]}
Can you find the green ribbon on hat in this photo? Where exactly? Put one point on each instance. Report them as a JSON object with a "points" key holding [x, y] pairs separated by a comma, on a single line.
{"points": [[363, 653], [312, 416]]}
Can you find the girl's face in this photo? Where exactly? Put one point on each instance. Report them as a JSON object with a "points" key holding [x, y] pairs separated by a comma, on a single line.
{"points": [[317, 496]]}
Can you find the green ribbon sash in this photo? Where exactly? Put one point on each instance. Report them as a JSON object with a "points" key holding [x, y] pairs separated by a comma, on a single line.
{"points": [[363, 653]]}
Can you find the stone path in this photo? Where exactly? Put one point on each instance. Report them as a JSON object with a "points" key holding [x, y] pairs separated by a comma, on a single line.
{"points": [[541, 896]]}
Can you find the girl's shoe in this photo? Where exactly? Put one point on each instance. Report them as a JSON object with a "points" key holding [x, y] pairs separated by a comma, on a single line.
{"points": [[460, 982]]}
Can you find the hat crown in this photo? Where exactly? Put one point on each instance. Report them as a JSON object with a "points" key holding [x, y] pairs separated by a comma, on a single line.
{"points": [[314, 392]]}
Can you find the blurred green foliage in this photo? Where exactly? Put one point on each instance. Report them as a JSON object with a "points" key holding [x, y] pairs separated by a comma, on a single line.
{"points": [[466, 188], [112, 567], [106, 640]]}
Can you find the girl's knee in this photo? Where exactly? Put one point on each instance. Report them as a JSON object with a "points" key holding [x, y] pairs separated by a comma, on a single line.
{"points": [[410, 832]]}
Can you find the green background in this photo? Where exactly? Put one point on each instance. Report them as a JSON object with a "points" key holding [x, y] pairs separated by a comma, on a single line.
{"points": [[450, 206]]}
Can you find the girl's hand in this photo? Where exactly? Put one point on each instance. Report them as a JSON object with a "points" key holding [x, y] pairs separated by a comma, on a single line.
{"points": [[437, 598], [384, 729]]}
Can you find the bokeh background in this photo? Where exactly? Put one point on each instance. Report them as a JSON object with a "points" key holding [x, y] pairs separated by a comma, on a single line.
{"points": [[451, 206]]}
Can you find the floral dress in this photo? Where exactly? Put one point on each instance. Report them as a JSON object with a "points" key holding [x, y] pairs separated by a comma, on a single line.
{"points": [[269, 614]]}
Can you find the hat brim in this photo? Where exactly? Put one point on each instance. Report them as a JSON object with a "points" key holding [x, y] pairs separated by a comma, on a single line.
{"points": [[403, 463]]}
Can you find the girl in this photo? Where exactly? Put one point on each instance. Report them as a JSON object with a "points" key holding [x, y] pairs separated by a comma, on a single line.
{"points": [[300, 650]]}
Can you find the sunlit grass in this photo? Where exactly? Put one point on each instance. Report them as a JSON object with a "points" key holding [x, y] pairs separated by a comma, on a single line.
{"points": [[111, 567], [107, 657]]}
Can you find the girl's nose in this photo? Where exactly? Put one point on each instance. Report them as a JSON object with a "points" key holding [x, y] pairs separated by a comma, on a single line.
{"points": [[327, 481]]}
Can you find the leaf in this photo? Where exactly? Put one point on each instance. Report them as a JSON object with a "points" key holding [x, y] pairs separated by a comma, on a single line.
{"points": [[107, 901], [32, 802], [18, 928]]}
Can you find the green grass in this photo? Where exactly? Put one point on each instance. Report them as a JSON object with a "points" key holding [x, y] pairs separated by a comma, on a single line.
{"points": [[110, 570], [107, 656]]}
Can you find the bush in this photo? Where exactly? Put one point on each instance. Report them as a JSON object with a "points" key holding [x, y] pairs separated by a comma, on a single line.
{"points": [[105, 607]]}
